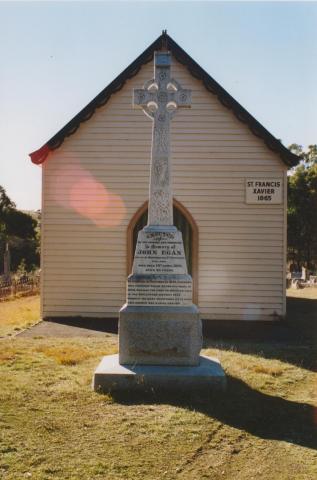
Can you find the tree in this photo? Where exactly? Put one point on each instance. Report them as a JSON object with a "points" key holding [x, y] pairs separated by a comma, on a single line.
{"points": [[20, 224], [19, 231], [302, 209], [5, 202], [309, 157]]}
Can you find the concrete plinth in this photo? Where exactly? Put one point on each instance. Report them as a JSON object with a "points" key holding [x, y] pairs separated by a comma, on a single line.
{"points": [[110, 376], [152, 335]]}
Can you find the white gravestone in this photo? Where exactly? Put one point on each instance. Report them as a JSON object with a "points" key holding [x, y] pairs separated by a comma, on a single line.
{"points": [[159, 323]]}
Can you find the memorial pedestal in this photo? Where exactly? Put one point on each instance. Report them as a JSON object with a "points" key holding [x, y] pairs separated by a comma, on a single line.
{"points": [[152, 335], [110, 376]]}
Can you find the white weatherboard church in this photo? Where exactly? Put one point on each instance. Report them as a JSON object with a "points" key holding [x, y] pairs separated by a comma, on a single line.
{"points": [[229, 184]]}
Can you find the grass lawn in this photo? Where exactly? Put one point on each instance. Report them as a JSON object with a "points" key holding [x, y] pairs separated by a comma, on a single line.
{"points": [[54, 427], [17, 314]]}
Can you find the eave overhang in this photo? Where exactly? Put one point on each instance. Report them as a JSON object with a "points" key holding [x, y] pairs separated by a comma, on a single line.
{"points": [[165, 42]]}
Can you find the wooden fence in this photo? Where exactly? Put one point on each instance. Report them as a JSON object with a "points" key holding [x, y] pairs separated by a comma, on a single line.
{"points": [[23, 286]]}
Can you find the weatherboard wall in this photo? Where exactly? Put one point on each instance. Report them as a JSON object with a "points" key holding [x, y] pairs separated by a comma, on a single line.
{"points": [[96, 181]]}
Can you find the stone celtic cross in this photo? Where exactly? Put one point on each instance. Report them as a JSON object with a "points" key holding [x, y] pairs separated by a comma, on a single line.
{"points": [[159, 99]]}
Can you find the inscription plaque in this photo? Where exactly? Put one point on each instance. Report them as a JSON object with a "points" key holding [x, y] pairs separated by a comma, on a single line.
{"points": [[158, 293], [159, 253]]}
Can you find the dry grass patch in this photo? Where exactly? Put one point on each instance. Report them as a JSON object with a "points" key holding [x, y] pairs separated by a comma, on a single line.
{"points": [[65, 355], [73, 354], [269, 370], [18, 314], [308, 293], [7, 353]]}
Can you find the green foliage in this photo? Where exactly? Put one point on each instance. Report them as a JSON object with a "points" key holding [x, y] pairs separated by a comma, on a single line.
{"points": [[20, 224], [21, 270], [302, 209], [309, 157], [19, 231], [5, 202]]}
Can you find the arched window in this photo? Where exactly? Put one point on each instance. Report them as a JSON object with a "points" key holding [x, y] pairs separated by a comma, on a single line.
{"points": [[185, 223]]}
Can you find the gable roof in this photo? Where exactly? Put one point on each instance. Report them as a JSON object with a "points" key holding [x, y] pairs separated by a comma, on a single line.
{"points": [[165, 42]]}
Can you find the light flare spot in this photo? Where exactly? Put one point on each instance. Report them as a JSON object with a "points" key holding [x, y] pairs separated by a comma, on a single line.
{"points": [[75, 188]]}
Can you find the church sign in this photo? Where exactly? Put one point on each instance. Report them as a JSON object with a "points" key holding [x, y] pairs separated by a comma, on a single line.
{"points": [[263, 190]]}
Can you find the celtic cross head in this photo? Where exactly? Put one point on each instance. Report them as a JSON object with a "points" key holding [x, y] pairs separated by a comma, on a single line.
{"points": [[162, 95]]}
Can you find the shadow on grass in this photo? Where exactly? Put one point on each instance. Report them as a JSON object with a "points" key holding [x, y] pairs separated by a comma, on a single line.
{"points": [[302, 318], [301, 355], [241, 407], [292, 340]]}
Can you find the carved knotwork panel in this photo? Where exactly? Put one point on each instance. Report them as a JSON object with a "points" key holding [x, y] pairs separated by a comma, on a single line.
{"points": [[161, 207]]}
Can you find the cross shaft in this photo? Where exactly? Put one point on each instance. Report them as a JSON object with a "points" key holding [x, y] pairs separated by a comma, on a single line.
{"points": [[159, 99]]}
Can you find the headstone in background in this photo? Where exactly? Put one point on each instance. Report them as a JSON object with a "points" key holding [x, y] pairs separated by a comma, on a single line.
{"points": [[7, 264]]}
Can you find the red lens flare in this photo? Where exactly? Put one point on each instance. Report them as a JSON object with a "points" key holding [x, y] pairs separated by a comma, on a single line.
{"points": [[75, 188]]}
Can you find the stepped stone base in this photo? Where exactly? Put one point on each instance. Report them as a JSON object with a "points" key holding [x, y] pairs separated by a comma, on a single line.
{"points": [[159, 335], [110, 376]]}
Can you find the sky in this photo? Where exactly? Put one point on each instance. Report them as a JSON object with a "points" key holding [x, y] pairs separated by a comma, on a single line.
{"points": [[57, 56]]}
